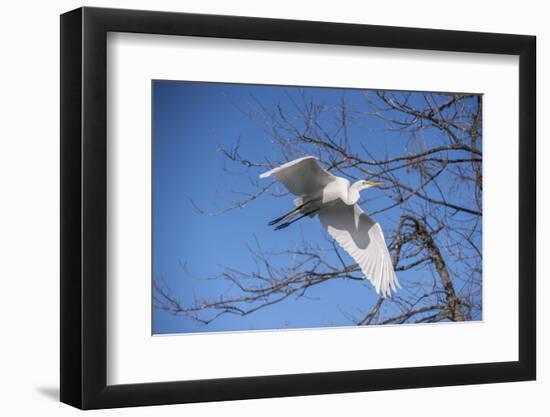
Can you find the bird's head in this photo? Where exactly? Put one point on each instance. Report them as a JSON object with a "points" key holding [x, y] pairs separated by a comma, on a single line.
{"points": [[363, 184], [357, 187]]}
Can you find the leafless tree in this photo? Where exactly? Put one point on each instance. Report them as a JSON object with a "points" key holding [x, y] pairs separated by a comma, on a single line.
{"points": [[434, 193]]}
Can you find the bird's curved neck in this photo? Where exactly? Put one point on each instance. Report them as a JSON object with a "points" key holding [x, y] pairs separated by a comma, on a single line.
{"points": [[353, 193]]}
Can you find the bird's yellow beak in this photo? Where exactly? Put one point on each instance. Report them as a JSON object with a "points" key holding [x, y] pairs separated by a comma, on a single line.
{"points": [[374, 183]]}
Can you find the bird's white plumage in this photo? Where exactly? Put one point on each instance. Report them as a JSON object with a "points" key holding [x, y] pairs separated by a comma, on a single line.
{"points": [[334, 200], [302, 176], [363, 240]]}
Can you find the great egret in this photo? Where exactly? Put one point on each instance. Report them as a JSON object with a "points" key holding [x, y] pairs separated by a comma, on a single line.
{"points": [[335, 201]]}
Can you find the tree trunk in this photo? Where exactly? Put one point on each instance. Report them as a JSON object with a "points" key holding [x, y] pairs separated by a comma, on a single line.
{"points": [[453, 302]]}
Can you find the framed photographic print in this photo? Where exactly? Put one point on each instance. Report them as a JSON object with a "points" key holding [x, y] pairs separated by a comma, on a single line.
{"points": [[258, 207]]}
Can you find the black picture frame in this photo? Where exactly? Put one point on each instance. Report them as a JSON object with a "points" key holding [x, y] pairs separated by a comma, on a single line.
{"points": [[84, 207]]}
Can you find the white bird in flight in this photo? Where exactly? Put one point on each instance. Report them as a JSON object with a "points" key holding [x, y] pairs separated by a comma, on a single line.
{"points": [[335, 201]]}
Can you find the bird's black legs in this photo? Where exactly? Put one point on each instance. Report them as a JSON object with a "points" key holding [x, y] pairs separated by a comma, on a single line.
{"points": [[289, 214], [286, 224], [284, 216]]}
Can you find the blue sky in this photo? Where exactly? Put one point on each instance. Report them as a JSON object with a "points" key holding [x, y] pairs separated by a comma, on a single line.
{"points": [[190, 122]]}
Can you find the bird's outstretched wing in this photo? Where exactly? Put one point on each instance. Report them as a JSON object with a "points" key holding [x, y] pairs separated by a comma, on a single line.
{"points": [[302, 176], [363, 239]]}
